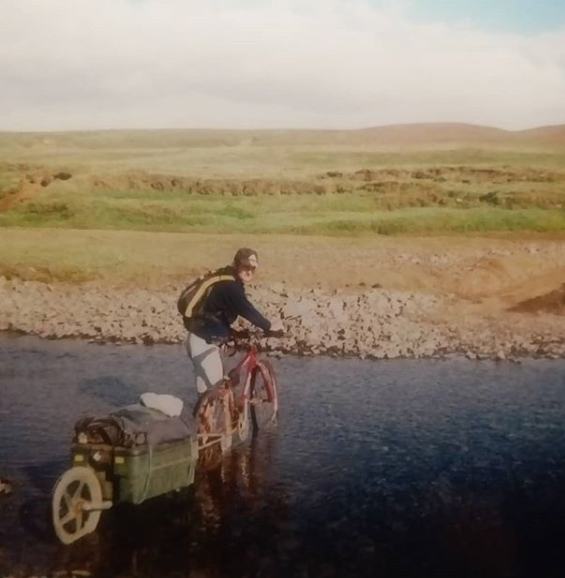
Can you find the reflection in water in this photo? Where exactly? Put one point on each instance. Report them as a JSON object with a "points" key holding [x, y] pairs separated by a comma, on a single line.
{"points": [[226, 525]]}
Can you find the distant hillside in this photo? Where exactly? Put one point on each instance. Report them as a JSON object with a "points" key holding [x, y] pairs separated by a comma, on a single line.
{"points": [[399, 135], [433, 133], [554, 134]]}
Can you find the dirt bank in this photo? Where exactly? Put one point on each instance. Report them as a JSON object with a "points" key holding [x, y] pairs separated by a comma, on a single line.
{"points": [[365, 322], [366, 297]]}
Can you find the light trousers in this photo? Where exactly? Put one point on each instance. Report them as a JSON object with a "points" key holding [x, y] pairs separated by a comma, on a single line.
{"points": [[207, 360]]}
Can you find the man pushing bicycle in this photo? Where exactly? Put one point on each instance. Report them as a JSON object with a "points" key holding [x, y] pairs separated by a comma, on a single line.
{"points": [[209, 306]]}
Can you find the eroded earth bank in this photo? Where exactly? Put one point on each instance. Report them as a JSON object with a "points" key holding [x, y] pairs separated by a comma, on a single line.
{"points": [[495, 299]]}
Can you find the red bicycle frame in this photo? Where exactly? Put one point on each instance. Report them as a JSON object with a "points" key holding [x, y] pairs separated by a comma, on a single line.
{"points": [[249, 362]]}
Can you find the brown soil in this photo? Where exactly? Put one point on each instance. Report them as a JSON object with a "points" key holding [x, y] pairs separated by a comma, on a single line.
{"points": [[485, 297], [31, 182], [552, 302], [24, 191]]}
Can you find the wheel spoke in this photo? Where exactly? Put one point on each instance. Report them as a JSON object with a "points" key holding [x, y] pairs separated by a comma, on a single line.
{"points": [[78, 491], [80, 520], [69, 517], [68, 499]]}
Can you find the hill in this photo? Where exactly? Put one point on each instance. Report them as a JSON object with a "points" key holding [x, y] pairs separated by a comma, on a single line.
{"points": [[433, 134], [398, 135], [551, 135]]}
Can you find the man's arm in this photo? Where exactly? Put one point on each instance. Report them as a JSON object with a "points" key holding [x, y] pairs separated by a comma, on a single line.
{"points": [[244, 308]]}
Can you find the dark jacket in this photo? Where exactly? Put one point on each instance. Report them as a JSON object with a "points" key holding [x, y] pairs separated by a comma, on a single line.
{"points": [[222, 306]]}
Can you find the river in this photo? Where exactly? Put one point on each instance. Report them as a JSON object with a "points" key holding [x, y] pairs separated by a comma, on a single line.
{"points": [[413, 468]]}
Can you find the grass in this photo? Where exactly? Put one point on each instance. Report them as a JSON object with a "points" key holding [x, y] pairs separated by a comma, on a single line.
{"points": [[274, 184], [405, 209], [141, 258]]}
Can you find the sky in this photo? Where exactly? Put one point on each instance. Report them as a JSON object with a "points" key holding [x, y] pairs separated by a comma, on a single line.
{"points": [[522, 16], [109, 64]]}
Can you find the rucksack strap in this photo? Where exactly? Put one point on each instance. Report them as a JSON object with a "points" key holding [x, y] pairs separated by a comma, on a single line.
{"points": [[201, 292]]}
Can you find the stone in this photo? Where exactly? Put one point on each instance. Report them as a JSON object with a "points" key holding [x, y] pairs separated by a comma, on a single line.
{"points": [[336, 309], [298, 308], [372, 323]]}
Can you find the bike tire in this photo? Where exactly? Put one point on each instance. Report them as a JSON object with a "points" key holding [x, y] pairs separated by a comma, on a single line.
{"points": [[264, 397], [214, 419]]}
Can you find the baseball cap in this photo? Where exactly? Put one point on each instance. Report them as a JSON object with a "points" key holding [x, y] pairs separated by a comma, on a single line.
{"points": [[246, 256]]}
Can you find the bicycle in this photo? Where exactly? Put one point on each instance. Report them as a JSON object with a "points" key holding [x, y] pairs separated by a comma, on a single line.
{"points": [[224, 414]]}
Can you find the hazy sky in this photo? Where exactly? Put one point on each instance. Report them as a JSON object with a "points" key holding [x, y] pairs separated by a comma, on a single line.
{"points": [[81, 64]]}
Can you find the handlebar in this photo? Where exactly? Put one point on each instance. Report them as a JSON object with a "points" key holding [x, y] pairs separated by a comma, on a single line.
{"points": [[271, 333], [243, 334], [245, 339]]}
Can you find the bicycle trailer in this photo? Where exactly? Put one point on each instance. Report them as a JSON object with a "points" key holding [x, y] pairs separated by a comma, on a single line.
{"points": [[129, 456]]}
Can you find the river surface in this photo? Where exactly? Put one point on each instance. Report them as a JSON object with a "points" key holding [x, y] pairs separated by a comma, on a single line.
{"points": [[412, 468]]}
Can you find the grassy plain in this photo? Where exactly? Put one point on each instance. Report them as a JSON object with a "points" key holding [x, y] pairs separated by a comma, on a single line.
{"points": [[79, 206]]}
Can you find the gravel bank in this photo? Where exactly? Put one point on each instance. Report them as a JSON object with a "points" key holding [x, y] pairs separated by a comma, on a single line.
{"points": [[372, 323]]}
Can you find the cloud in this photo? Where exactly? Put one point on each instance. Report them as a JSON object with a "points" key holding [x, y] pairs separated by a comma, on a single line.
{"points": [[283, 63]]}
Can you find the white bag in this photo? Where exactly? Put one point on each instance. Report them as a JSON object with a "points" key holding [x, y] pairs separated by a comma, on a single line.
{"points": [[168, 404]]}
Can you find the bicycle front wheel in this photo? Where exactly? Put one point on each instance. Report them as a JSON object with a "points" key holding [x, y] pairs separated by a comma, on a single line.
{"points": [[264, 398]]}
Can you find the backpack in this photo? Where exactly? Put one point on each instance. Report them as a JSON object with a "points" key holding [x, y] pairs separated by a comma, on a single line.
{"points": [[192, 297]]}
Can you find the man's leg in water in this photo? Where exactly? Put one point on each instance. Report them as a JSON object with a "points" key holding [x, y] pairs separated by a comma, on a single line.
{"points": [[207, 360]]}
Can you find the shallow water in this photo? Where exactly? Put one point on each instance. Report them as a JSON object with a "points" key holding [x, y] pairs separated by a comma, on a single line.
{"points": [[420, 468]]}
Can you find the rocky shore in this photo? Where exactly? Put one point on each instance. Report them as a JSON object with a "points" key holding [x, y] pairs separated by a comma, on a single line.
{"points": [[369, 322]]}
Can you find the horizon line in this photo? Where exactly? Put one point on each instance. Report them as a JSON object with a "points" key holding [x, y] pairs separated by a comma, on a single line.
{"points": [[293, 129]]}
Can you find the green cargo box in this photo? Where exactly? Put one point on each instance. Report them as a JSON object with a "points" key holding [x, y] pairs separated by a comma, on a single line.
{"points": [[137, 474]]}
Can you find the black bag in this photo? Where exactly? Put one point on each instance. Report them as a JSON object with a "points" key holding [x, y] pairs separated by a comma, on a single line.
{"points": [[100, 430], [131, 426]]}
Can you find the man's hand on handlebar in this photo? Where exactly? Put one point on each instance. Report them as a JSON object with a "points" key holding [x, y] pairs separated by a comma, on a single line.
{"points": [[239, 333], [276, 330], [271, 333]]}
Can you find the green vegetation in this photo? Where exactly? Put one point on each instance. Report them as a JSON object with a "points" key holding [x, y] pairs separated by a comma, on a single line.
{"points": [[277, 182], [151, 206], [146, 258], [345, 205]]}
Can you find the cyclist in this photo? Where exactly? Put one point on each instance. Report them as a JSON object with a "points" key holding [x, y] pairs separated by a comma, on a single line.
{"points": [[224, 303]]}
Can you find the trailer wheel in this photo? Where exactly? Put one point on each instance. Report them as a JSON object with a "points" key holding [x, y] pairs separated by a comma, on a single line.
{"points": [[76, 505]]}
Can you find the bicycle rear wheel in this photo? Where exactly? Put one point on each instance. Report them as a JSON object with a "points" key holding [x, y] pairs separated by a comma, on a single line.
{"points": [[264, 399], [214, 419]]}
